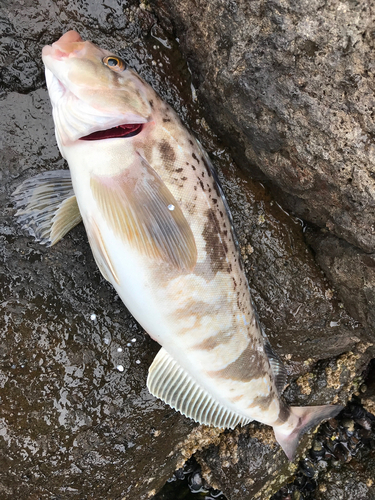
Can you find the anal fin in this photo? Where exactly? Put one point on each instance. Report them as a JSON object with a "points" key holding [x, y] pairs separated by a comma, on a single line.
{"points": [[47, 206], [168, 381]]}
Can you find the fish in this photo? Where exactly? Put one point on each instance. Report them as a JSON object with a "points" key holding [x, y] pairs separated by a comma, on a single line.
{"points": [[161, 233]]}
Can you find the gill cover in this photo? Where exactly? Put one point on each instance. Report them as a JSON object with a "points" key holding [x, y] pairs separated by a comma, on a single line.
{"points": [[88, 94]]}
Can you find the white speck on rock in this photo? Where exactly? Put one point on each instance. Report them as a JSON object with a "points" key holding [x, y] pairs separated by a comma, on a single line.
{"points": [[120, 368]]}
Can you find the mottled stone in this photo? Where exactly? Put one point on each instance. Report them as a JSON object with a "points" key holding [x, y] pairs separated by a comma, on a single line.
{"points": [[289, 87], [75, 415], [353, 273]]}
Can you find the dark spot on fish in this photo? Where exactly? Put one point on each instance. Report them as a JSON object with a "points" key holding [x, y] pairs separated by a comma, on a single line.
{"points": [[222, 337], [191, 142], [235, 283], [217, 190], [225, 232], [151, 103], [179, 170], [221, 214], [207, 166], [248, 366], [214, 244], [167, 153], [193, 167], [263, 401], [165, 120], [195, 158], [202, 185], [184, 178], [284, 412], [202, 174], [214, 200]]}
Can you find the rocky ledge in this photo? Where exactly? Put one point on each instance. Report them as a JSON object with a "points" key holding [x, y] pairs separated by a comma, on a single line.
{"points": [[284, 90]]}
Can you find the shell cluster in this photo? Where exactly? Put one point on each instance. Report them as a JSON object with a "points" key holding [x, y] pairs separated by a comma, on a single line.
{"points": [[189, 477], [349, 435]]}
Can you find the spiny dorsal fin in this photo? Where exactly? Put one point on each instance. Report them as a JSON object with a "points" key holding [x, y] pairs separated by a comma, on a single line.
{"points": [[139, 208], [277, 366], [171, 383], [47, 207]]}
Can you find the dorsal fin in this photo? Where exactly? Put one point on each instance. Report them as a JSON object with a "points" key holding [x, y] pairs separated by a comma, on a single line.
{"points": [[171, 383], [47, 207], [277, 366]]}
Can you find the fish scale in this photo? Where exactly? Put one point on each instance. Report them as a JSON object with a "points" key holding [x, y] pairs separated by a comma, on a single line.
{"points": [[161, 232]]}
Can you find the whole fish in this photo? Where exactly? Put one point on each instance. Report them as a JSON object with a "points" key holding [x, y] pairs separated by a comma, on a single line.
{"points": [[161, 233]]}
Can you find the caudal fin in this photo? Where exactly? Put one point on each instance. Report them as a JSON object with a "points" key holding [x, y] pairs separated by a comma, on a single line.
{"points": [[307, 418]]}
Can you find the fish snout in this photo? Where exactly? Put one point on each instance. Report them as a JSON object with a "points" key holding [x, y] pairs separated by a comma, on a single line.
{"points": [[70, 44]]}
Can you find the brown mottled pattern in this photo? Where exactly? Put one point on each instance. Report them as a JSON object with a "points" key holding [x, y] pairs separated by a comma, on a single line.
{"points": [[215, 243], [262, 402], [248, 366], [167, 152], [222, 337], [284, 413]]}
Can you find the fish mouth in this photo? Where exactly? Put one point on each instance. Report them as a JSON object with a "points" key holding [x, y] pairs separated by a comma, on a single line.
{"points": [[126, 130]]}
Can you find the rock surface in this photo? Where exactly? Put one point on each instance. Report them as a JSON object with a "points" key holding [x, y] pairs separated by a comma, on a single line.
{"points": [[290, 86], [71, 423], [351, 270]]}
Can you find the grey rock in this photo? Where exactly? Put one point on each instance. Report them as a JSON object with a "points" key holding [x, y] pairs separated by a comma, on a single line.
{"points": [[289, 86], [70, 422], [350, 483], [353, 273]]}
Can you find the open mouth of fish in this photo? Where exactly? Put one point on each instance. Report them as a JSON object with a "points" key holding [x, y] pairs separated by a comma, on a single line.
{"points": [[127, 130]]}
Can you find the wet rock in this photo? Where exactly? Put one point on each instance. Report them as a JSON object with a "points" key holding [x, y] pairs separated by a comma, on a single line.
{"points": [[75, 412], [353, 273], [247, 463], [368, 389], [288, 85], [298, 309]]}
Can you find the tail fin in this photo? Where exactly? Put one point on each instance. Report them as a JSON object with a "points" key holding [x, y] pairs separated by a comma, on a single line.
{"points": [[307, 418]]}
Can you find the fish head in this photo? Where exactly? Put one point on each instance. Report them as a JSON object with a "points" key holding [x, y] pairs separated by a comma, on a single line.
{"points": [[92, 90]]}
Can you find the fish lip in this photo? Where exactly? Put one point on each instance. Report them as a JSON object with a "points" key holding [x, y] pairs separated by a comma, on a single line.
{"points": [[123, 131]]}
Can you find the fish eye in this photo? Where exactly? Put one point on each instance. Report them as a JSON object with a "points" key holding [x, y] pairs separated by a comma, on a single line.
{"points": [[114, 63]]}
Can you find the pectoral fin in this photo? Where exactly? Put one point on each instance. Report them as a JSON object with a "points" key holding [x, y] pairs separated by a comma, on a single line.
{"points": [[47, 207], [100, 253], [139, 208], [171, 383]]}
